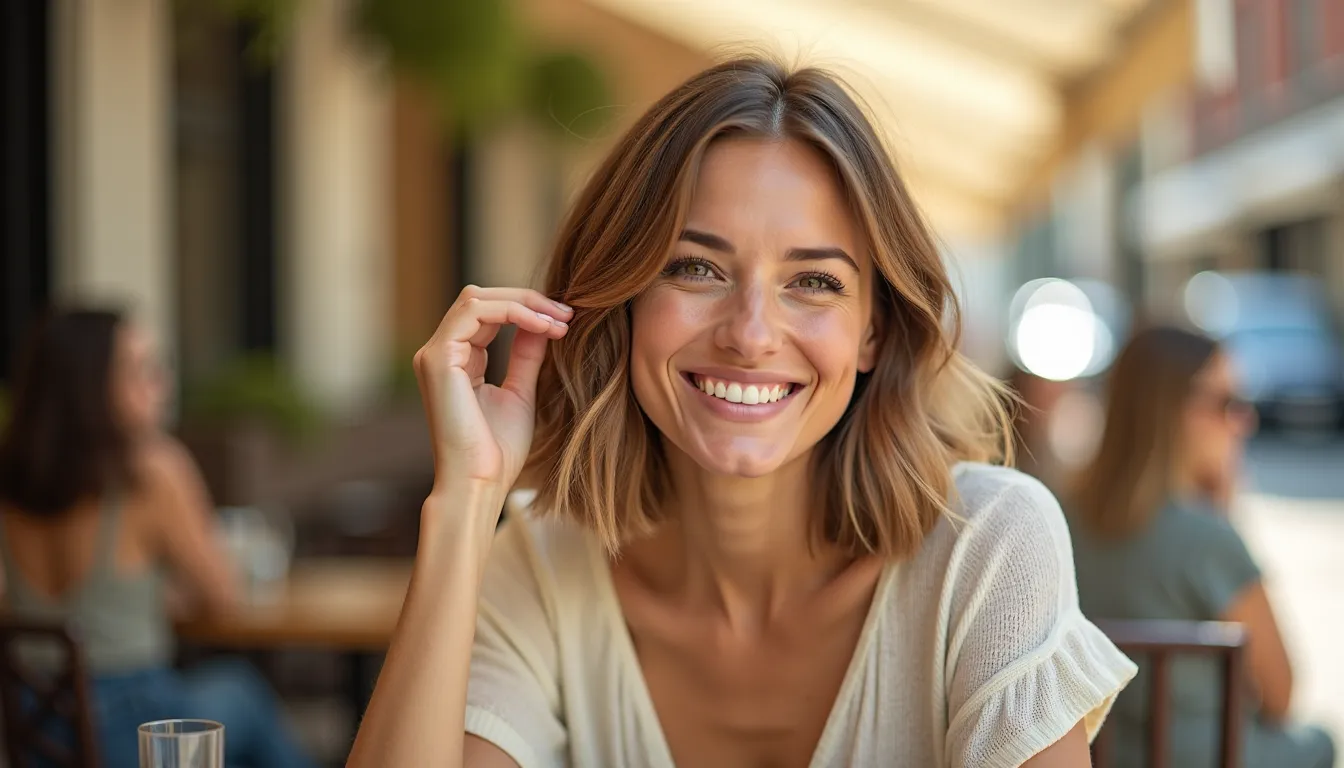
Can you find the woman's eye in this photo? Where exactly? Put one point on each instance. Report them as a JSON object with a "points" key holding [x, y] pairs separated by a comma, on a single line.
{"points": [[819, 283], [694, 269]]}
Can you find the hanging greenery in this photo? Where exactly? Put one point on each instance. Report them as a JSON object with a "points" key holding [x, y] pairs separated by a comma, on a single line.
{"points": [[568, 95], [268, 22], [468, 52], [472, 53]]}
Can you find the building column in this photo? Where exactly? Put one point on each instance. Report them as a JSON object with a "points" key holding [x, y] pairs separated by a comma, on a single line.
{"points": [[982, 278], [336, 264], [513, 222], [111, 153]]}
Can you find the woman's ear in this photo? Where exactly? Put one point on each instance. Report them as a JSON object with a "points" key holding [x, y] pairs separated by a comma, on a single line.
{"points": [[872, 341]]}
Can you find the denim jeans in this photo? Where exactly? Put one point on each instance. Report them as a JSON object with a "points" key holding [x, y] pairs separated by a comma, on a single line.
{"points": [[227, 691]]}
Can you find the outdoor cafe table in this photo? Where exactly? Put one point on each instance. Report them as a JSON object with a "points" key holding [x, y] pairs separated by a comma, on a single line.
{"points": [[345, 605]]}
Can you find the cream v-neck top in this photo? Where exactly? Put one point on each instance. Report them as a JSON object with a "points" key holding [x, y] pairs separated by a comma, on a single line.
{"points": [[973, 653]]}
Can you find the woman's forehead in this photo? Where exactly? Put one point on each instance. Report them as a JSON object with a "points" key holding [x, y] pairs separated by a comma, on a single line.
{"points": [[773, 190]]}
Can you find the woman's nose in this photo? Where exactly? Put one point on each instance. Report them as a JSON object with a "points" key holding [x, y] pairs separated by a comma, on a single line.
{"points": [[751, 326], [1249, 421]]}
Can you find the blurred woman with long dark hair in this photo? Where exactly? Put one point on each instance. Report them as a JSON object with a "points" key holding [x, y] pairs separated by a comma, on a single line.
{"points": [[98, 508], [1152, 541]]}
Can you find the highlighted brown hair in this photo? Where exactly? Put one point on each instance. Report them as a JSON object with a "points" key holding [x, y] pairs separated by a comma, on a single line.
{"points": [[883, 474], [1130, 477], [63, 444]]}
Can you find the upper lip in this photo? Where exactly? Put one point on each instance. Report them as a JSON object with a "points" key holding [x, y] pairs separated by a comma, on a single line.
{"points": [[743, 376]]}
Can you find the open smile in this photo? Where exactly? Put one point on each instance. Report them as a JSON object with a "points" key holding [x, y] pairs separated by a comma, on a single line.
{"points": [[742, 400]]}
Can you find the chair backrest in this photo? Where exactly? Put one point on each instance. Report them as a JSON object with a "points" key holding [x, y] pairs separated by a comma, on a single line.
{"points": [[32, 699], [1153, 644]]}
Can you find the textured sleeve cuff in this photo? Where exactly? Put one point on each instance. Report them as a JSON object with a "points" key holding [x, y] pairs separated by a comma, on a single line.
{"points": [[487, 725], [1034, 703]]}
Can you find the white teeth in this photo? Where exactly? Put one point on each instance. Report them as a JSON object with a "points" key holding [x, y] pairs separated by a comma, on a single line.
{"points": [[734, 393], [747, 394]]}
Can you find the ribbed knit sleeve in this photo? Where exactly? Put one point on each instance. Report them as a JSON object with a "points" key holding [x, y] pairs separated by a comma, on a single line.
{"points": [[1023, 664], [513, 694]]}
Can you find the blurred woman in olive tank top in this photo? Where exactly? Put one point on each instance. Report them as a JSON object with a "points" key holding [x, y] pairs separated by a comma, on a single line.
{"points": [[98, 509], [1152, 540]]}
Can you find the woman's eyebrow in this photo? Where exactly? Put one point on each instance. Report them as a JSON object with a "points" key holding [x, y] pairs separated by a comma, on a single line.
{"points": [[716, 243], [821, 254], [712, 242]]}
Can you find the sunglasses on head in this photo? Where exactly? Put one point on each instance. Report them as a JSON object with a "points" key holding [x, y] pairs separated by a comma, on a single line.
{"points": [[1228, 404]]}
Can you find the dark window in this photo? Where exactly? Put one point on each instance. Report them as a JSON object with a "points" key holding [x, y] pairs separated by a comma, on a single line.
{"points": [[224, 190], [1298, 246], [1274, 249], [25, 171], [257, 202]]}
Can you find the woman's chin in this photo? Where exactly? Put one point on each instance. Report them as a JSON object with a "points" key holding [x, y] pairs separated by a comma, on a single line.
{"points": [[743, 463]]}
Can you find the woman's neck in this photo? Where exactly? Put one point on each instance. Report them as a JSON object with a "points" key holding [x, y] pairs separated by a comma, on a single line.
{"points": [[745, 547]]}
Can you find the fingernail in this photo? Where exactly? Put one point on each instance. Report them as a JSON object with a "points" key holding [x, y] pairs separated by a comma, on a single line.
{"points": [[564, 306], [546, 317], [561, 323]]}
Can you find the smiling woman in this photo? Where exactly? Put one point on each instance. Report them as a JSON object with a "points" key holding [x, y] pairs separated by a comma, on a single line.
{"points": [[745, 388]]}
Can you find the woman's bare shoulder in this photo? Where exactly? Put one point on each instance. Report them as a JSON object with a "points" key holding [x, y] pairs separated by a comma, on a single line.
{"points": [[163, 453], [165, 468]]}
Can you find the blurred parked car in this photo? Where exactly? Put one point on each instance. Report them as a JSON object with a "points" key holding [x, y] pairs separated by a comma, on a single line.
{"points": [[1279, 329]]}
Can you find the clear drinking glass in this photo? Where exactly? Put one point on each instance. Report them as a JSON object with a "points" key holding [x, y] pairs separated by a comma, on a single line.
{"points": [[182, 744]]}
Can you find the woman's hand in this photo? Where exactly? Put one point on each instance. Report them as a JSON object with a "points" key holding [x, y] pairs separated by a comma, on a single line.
{"points": [[481, 435], [481, 432]]}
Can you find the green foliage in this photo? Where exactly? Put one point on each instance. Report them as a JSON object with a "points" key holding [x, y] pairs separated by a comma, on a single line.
{"points": [[269, 23], [470, 53], [253, 389], [568, 94]]}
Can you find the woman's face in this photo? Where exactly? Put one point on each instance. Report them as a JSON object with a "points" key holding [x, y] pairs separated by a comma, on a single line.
{"points": [[138, 389], [1216, 422], [745, 350]]}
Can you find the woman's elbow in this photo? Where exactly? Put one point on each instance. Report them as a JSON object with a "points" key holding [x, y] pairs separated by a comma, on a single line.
{"points": [[217, 598], [1275, 699], [222, 593]]}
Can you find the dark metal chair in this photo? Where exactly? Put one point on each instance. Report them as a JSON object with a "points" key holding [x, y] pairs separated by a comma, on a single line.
{"points": [[1152, 644], [31, 699]]}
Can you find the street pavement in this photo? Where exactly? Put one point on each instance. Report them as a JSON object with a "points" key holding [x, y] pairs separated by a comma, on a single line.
{"points": [[1292, 516]]}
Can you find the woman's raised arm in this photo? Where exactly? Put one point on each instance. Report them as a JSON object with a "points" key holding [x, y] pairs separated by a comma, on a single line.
{"points": [[481, 435]]}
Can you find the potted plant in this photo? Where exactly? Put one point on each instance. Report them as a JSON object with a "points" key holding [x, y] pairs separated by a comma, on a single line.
{"points": [[243, 423]]}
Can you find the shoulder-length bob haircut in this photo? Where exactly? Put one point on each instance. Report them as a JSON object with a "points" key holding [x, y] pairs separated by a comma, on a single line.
{"points": [[883, 475], [1130, 477], [63, 443]]}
